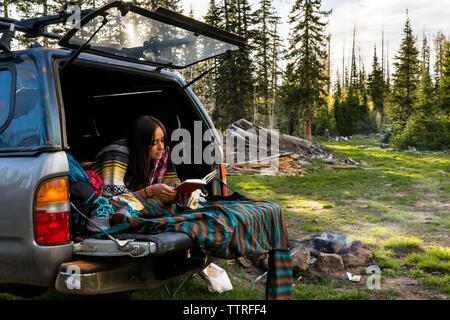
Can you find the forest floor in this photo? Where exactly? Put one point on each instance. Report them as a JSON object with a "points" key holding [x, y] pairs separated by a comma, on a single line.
{"points": [[401, 209]]}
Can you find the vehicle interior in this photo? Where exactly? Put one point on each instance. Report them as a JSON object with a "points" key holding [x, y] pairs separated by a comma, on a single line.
{"points": [[100, 104]]}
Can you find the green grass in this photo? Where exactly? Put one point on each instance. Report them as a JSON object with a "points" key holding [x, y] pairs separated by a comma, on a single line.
{"points": [[381, 207], [435, 259], [7, 296], [195, 289], [442, 284], [403, 243], [327, 289], [385, 260]]}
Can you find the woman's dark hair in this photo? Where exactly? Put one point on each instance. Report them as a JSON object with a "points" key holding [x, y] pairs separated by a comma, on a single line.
{"points": [[141, 135]]}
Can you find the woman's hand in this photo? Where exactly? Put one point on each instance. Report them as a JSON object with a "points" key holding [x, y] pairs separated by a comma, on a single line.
{"points": [[163, 192]]}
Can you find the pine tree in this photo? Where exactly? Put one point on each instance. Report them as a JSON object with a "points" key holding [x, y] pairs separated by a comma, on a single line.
{"points": [[353, 69], [275, 54], [405, 82], [234, 80], [214, 15], [352, 113], [306, 48], [427, 128], [445, 83], [289, 95], [362, 86], [440, 42], [425, 56], [426, 94], [193, 53], [376, 87], [337, 101], [266, 42], [322, 119], [346, 79], [174, 5], [329, 64], [349, 112]]}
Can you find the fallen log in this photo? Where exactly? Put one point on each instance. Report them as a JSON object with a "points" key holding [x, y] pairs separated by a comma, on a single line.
{"points": [[343, 167], [338, 167], [250, 147]]}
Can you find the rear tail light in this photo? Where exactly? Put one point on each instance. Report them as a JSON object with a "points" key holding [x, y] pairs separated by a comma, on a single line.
{"points": [[223, 176], [52, 213]]}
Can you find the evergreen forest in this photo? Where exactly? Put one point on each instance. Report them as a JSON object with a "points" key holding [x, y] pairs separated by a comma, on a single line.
{"points": [[288, 84]]}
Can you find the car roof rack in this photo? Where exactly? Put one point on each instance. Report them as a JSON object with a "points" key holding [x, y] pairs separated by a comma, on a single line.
{"points": [[34, 27]]}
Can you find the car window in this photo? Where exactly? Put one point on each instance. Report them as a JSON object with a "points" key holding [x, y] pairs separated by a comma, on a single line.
{"points": [[5, 97], [27, 128]]}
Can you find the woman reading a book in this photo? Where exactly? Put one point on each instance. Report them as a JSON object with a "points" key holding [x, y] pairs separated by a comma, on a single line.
{"points": [[139, 166], [149, 160]]}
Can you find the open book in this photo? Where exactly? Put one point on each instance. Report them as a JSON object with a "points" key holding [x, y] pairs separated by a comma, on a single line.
{"points": [[190, 185]]}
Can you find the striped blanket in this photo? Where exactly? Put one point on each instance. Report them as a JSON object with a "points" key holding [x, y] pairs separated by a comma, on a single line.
{"points": [[224, 229], [230, 229]]}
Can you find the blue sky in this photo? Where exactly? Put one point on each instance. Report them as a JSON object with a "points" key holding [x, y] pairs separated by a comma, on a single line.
{"points": [[369, 17]]}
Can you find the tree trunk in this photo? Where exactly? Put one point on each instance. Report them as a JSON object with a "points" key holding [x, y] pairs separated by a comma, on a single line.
{"points": [[308, 129], [225, 4], [5, 8]]}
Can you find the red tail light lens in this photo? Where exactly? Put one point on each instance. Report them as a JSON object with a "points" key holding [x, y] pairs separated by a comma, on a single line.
{"points": [[52, 213], [223, 175]]}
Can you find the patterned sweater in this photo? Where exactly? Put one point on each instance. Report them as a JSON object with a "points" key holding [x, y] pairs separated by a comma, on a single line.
{"points": [[111, 165]]}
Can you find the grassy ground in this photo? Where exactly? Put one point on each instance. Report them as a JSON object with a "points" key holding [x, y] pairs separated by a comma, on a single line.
{"points": [[400, 207]]}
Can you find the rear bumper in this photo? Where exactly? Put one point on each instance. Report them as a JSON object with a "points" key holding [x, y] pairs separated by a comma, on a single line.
{"points": [[31, 265], [87, 277]]}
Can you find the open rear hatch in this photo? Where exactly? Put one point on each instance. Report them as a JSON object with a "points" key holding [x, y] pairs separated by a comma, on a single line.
{"points": [[161, 38]]}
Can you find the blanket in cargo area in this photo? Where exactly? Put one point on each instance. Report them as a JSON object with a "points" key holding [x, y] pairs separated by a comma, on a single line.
{"points": [[230, 229]]}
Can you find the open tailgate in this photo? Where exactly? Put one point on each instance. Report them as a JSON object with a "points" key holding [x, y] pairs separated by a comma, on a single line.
{"points": [[135, 262], [134, 245]]}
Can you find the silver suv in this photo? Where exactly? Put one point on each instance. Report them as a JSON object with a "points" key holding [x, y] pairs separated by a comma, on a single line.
{"points": [[110, 69]]}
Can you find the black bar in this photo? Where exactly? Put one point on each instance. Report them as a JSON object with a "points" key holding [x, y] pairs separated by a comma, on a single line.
{"points": [[34, 26], [6, 19]]}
